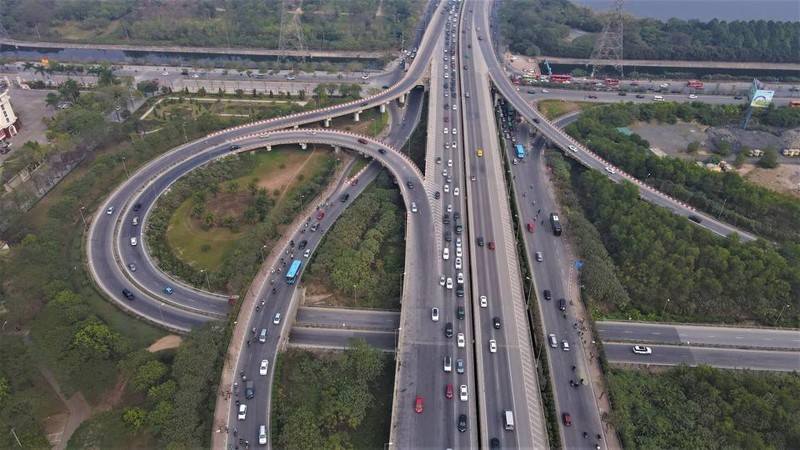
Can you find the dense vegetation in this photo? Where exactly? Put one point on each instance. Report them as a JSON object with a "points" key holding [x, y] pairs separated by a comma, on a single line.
{"points": [[723, 194], [542, 27], [705, 408], [363, 254], [327, 24], [321, 399]]}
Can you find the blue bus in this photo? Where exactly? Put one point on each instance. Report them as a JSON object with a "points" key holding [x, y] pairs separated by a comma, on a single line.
{"points": [[293, 272], [520, 151]]}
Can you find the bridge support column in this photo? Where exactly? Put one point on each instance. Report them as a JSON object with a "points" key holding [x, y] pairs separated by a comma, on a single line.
{"points": [[303, 145], [296, 127], [328, 123], [337, 149], [269, 148], [357, 116], [383, 108], [402, 98]]}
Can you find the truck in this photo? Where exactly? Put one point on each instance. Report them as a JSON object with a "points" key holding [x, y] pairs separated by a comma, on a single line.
{"points": [[556, 224], [508, 420], [791, 152], [695, 84], [249, 391]]}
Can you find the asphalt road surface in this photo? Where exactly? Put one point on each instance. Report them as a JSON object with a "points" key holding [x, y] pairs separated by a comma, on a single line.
{"points": [[347, 318], [726, 358], [666, 333]]}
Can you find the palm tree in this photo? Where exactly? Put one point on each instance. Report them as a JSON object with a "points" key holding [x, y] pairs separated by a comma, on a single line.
{"points": [[52, 99], [40, 69], [27, 65], [208, 219]]}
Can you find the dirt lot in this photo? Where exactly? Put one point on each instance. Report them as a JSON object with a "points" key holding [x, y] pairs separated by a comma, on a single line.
{"points": [[672, 140], [170, 341]]}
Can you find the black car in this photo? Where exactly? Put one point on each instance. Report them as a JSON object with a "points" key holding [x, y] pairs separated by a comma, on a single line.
{"points": [[622, 94], [128, 294], [639, 96], [446, 218], [547, 295], [480, 242], [410, 184], [448, 330], [456, 215], [494, 443], [462, 423], [448, 236], [381, 151], [535, 120], [234, 147], [460, 290], [437, 195], [302, 245], [496, 323], [460, 313], [694, 218], [562, 304], [137, 206], [344, 197]]}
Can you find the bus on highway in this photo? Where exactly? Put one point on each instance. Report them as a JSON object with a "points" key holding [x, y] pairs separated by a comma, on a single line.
{"points": [[520, 151], [556, 224], [293, 272]]}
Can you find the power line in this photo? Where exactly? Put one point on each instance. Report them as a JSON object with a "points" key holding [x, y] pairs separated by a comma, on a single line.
{"points": [[608, 47]]}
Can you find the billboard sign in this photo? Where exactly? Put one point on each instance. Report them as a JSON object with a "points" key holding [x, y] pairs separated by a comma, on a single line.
{"points": [[760, 97]]}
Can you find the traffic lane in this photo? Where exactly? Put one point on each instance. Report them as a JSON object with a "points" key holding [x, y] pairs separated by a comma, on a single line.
{"points": [[726, 358], [699, 334], [346, 318]]}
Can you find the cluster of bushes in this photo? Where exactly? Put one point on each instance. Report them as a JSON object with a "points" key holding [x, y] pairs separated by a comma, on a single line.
{"points": [[363, 254], [723, 194]]}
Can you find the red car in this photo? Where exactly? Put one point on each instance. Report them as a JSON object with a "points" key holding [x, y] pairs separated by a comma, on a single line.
{"points": [[418, 405], [362, 141], [354, 182], [491, 245], [449, 391], [567, 419], [320, 215], [530, 227]]}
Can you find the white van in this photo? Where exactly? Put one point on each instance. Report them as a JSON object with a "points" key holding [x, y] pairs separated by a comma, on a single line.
{"points": [[508, 420], [553, 340], [262, 435], [242, 412], [658, 98], [448, 364]]}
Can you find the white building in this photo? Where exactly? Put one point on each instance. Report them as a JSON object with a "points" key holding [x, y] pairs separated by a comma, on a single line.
{"points": [[9, 122]]}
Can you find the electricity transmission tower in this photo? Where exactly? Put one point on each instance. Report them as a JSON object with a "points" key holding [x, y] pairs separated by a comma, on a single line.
{"points": [[292, 44], [608, 48]]}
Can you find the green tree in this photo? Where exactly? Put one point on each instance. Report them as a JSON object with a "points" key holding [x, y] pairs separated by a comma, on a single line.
{"points": [[52, 100], [233, 187], [723, 148], [69, 90], [741, 158], [95, 340], [770, 159], [134, 418], [148, 375], [693, 147]]}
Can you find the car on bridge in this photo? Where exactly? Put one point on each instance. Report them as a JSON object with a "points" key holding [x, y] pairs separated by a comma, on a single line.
{"points": [[128, 294], [418, 404], [642, 350], [448, 391], [530, 227]]}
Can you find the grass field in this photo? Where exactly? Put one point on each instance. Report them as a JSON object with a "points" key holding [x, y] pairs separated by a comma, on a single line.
{"points": [[553, 109], [360, 164], [279, 171]]}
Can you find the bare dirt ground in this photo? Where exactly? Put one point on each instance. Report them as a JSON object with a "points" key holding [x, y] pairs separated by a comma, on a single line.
{"points": [[672, 140], [167, 342]]}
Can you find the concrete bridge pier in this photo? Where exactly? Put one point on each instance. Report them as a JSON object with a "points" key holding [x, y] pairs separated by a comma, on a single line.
{"points": [[383, 108], [357, 116], [269, 148], [402, 98], [303, 145], [337, 149], [328, 122]]}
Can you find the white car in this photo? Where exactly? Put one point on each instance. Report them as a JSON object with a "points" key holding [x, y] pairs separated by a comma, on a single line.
{"points": [[435, 314], [664, 85], [459, 252], [110, 210], [573, 148], [484, 301], [492, 346], [446, 188], [242, 412], [134, 241], [454, 128], [565, 345], [449, 163], [545, 91], [462, 342], [444, 172], [307, 253], [264, 367], [449, 283], [458, 263], [165, 73], [449, 208], [446, 130], [642, 350], [414, 207], [455, 192], [692, 96], [446, 254], [441, 280], [610, 170], [454, 108], [460, 278], [446, 75], [458, 242], [462, 393], [277, 319]]}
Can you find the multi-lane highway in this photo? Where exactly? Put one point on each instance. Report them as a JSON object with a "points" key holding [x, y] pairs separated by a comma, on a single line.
{"points": [[719, 336]]}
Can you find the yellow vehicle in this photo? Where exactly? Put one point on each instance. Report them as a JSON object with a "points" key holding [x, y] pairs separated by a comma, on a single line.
{"points": [[480, 153]]}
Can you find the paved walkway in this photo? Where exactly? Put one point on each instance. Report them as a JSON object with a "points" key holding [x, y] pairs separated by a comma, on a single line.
{"points": [[78, 411]]}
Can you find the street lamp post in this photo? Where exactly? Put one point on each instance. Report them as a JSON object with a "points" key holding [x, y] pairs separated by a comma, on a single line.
{"points": [[781, 314], [125, 167], [185, 138], [160, 304], [263, 255], [208, 283], [355, 291], [664, 310], [530, 289], [83, 218]]}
